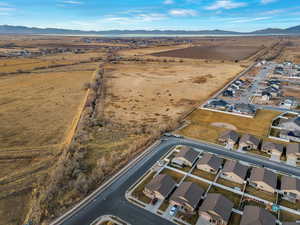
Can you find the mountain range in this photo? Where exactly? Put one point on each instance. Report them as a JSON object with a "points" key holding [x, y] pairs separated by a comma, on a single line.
{"points": [[7, 29]]}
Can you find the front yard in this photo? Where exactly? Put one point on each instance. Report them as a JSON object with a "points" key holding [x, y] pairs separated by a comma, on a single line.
{"points": [[204, 174], [138, 191], [229, 183], [261, 194]]}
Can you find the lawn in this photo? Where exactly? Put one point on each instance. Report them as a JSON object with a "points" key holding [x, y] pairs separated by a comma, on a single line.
{"points": [[202, 184], [204, 174], [192, 219], [164, 205], [252, 202], [201, 124], [229, 183], [234, 219], [261, 194], [138, 191], [289, 204], [235, 198], [288, 217], [176, 176]]}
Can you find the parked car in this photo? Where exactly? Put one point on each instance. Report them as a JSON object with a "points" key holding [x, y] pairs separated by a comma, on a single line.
{"points": [[173, 210], [154, 201]]}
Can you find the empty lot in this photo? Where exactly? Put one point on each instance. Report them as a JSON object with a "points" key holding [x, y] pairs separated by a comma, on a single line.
{"points": [[212, 52]]}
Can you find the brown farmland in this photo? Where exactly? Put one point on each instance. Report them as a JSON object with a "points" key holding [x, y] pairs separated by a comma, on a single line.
{"points": [[212, 52]]}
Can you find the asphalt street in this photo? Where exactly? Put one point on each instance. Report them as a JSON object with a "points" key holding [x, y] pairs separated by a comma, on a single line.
{"points": [[112, 200]]}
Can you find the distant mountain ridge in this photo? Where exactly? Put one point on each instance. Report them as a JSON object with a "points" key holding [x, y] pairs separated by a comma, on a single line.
{"points": [[7, 29]]}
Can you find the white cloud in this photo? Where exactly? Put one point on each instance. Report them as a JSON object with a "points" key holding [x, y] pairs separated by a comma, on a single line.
{"points": [[183, 12], [267, 1], [136, 18], [248, 20], [273, 12], [168, 2], [225, 4], [72, 2]]}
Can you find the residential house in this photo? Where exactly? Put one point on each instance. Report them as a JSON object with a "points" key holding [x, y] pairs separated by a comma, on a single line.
{"points": [[289, 103], [187, 196], [293, 152], [254, 215], [290, 188], [266, 96], [216, 209], [263, 179], [275, 92], [292, 124], [248, 142], [217, 104], [244, 108], [228, 93], [234, 171], [209, 163], [272, 148], [185, 157], [229, 137], [160, 187]]}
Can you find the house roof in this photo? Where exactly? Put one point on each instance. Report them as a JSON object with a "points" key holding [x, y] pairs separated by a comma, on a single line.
{"points": [[230, 134], [249, 138], [187, 153], [211, 160], [264, 175], [290, 183], [218, 102], [236, 168], [293, 148], [162, 183], [188, 192], [254, 215], [218, 204], [272, 146], [246, 108]]}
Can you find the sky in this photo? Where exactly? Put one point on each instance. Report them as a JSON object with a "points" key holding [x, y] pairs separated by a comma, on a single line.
{"points": [[234, 15]]}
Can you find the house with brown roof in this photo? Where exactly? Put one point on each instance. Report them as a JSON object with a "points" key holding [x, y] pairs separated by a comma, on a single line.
{"points": [[293, 152], [290, 188], [160, 187], [234, 171], [254, 215], [272, 148], [229, 137], [263, 179], [187, 196], [216, 209], [248, 142], [209, 163], [185, 157]]}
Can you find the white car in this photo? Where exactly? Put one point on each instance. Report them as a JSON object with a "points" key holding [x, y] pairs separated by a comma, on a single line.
{"points": [[173, 210]]}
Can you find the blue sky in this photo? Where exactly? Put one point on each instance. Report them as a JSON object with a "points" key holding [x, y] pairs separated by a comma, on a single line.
{"points": [[237, 15]]}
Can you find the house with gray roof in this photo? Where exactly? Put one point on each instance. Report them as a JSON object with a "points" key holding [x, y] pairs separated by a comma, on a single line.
{"points": [[249, 142], [216, 209], [272, 148], [254, 215], [244, 108], [187, 156], [290, 188], [263, 179], [218, 104], [234, 171], [209, 163], [187, 196], [229, 137], [293, 152], [160, 187]]}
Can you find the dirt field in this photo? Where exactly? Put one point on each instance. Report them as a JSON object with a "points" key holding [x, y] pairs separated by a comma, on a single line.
{"points": [[212, 52], [291, 51], [201, 124], [156, 92]]}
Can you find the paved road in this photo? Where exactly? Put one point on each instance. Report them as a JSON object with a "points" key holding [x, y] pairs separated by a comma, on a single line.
{"points": [[112, 200]]}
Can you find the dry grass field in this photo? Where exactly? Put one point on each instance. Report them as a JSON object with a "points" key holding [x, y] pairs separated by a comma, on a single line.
{"points": [[291, 51], [150, 93], [202, 124]]}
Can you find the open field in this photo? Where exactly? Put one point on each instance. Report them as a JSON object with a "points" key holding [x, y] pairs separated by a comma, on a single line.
{"points": [[291, 51], [212, 52], [201, 124], [156, 92]]}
